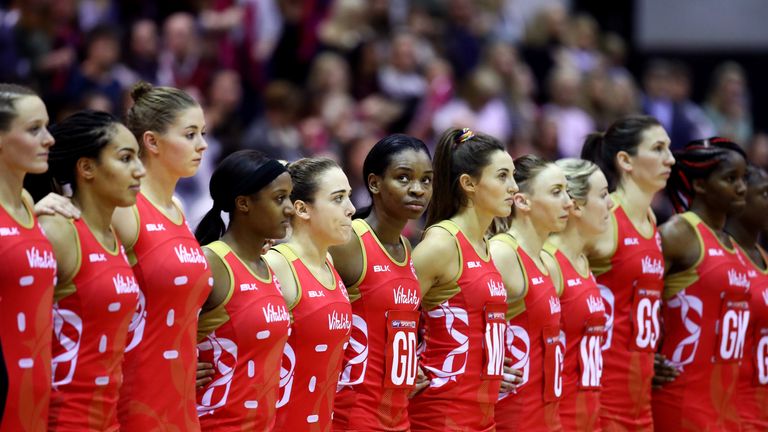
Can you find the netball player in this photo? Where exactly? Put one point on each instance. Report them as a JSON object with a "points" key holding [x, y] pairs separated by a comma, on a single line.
{"points": [[244, 323], [96, 293], [583, 312], [627, 261], [463, 297], [380, 364], [29, 266], [533, 332], [751, 394], [317, 300], [706, 289], [172, 272]]}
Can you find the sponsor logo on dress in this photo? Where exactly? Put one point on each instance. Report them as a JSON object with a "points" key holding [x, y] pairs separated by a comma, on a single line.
{"points": [[401, 296], [125, 285], [715, 252], [97, 257], [44, 260], [315, 294], [338, 321], [752, 274], [652, 266], [9, 231], [595, 304], [574, 282], [249, 287], [737, 279], [190, 256], [274, 313], [474, 264], [554, 305], [380, 268], [496, 316], [537, 280], [496, 289], [155, 227], [403, 324], [631, 241]]}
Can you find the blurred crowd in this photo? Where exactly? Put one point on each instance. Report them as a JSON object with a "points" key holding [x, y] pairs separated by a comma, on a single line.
{"points": [[297, 78]]}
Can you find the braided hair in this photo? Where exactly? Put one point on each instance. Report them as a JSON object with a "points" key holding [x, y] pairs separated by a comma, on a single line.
{"points": [[81, 135], [697, 160]]}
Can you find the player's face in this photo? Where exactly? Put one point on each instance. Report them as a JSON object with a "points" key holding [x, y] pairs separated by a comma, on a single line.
{"points": [[652, 162], [596, 212], [725, 187], [24, 146], [549, 200], [330, 213], [270, 209], [405, 188], [756, 208], [181, 147], [118, 171], [496, 187]]}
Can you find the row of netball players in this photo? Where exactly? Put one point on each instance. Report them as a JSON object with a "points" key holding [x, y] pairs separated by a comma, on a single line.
{"points": [[470, 331]]}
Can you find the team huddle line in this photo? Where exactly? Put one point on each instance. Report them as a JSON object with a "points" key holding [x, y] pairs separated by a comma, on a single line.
{"points": [[542, 296]]}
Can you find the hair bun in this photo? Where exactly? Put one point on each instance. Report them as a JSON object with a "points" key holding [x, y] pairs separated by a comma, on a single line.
{"points": [[140, 89]]}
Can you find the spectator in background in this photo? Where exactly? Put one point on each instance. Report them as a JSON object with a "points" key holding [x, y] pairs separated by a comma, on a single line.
{"points": [[624, 97], [480, 107], [276, 132], [181, 60], [143, 49], [700, 126], [401, 79], [329, 74], [581, 49], [519, 88], [659, 101], [462, 37], [346, 27], [614, 51], [222, 115], [545, 34], [98, 72], [49, 36], [572, 122], [244, 33], [440, 91], [596, 96], [757, 151], [728, 103]]}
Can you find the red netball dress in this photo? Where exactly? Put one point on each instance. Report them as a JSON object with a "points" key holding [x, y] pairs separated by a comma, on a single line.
{"points": [[243, 338], [321, 324], [161, 356], [26, 296], [631, 283], [380, 363], [706, 314], [90, 322], [751, 396], [463, 345], [536, 346], [583, 320]]}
